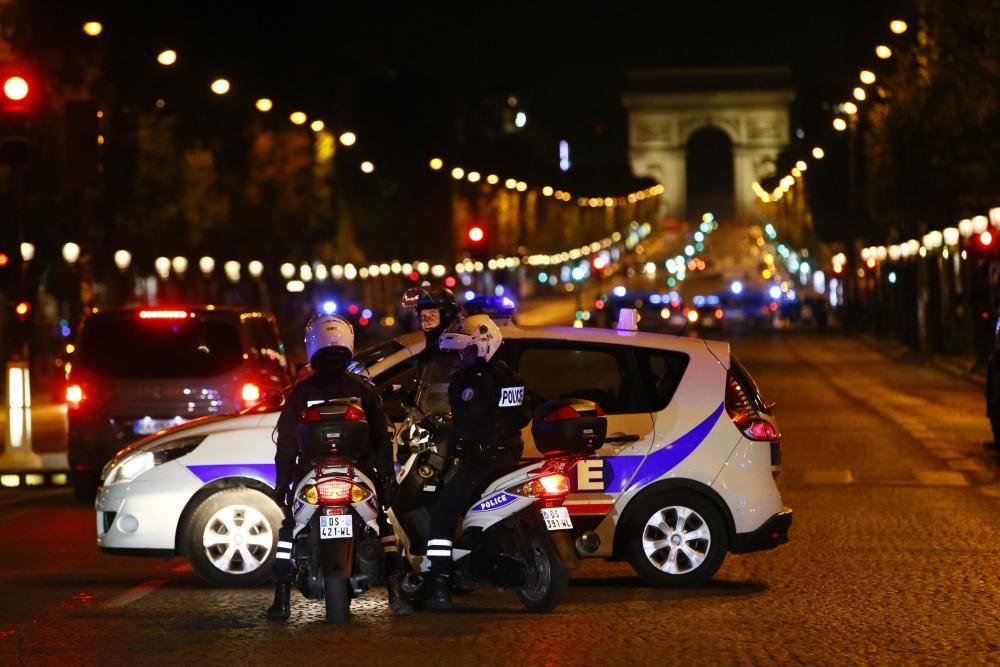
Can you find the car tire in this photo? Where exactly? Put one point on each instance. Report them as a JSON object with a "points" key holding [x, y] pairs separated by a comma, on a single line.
{"points": [[84, 485], [231, 537], [667, 551]]}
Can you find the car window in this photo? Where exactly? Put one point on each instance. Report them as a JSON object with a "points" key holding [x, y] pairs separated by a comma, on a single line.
{"points": [[122, 345], [598, 373], [265, 341], [403, 374], [661, 371]]}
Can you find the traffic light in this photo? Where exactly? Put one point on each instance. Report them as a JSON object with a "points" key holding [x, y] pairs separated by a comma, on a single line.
{"points": [[476, 242], [17, 110], [476, 234], [985, 240]]}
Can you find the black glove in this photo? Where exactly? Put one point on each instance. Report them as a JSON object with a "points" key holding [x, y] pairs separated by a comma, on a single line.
{"points": [[280, 497]]}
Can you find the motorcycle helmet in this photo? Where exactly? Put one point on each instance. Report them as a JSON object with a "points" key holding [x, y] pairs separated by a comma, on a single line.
{"points": [[477, 331], [329, 340]]}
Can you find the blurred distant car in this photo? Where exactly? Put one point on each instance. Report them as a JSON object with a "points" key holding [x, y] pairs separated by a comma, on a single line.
{"points": [[138, 371]]}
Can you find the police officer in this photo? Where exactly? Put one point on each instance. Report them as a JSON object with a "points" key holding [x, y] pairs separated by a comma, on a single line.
{"points": [[488, 406], [330, 347], [437, 309]]}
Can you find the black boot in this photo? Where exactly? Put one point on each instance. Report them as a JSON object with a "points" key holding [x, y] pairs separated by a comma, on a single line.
{"points": [[281, 609], [397, 603], [439, 593]]}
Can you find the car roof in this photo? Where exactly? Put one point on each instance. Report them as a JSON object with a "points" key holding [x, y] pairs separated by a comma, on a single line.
{"points": [[719, 349]]}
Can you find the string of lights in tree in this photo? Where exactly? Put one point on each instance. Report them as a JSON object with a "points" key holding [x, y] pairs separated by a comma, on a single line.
{"points": [[846, 114]]}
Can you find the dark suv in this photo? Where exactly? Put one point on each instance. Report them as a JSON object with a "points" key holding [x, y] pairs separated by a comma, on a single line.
{"points": [[137, 371]]}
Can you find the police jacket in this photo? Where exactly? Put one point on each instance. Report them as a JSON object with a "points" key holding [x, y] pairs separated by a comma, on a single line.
{"points": [[326, 387], [488, 405], [434, 370]]}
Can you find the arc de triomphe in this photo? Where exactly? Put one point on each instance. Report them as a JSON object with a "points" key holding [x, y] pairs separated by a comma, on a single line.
{"points": [[666, 107]]}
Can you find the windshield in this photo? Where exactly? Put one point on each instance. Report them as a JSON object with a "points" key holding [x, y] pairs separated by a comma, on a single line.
{"points": [[122, 345]]}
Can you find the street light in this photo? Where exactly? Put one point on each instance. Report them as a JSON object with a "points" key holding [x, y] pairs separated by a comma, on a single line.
{"points": [[256, 268], [839, 124], [220, 86], [167, 57], [264, 104], [206, 264], [818, 153], [521, 186], [457, 173], [965, 228], [71, 252], [367, 167], [232, 269], [898, 26], [980, 224], [867, 77], [995, 216], [492, 179], [348, 139], [317, 126], [93, 28], [162, 266], [850, 107], [883, 52], [951, 236], [123, 259], [859, 94], [547, 191], [473, 177], [298, 118], [27, 251], [436, 163], [180, 265], [510, 183], [801, 165], [287, 270]]}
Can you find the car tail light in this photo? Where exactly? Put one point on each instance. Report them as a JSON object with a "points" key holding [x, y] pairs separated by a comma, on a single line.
{"points": [[163, 314], [761, 430], [743, 410], [554, 485], [250, 394], [74, 395]]}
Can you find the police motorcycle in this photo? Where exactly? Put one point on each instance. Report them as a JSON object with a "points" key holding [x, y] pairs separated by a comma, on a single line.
{"points": [[517, 535], [336, 507]]}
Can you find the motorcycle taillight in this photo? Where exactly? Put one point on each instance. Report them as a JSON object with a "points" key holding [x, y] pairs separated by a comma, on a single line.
{"points": [[334, 491]]}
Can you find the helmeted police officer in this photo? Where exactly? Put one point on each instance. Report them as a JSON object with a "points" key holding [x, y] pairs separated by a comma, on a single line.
{"points": [[330, 347], [488, 406], [437, 309]]}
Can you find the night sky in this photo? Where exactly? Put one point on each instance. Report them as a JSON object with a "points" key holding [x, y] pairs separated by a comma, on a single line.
{"points": [[416, 81]]}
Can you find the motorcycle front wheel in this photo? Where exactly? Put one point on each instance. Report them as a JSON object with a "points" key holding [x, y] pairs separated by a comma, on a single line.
{"points": [[338, 599], [547, 579]]}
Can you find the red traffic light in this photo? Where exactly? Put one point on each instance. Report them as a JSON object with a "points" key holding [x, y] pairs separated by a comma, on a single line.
{"points": [[15, 88], [22, 309], [476, 234], [4, 259], [986, 239]]}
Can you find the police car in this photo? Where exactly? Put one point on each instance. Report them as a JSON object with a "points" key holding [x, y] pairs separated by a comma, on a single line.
{"points": [[688, 474]]}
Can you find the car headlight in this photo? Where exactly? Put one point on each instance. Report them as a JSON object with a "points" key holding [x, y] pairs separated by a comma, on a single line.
{"points": [[136, 463]]}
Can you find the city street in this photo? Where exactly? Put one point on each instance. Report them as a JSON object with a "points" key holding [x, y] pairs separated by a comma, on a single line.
{"points": [[893, 558]]}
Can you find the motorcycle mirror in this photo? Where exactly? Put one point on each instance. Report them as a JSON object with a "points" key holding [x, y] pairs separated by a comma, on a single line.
{"points": [[411, 296]]}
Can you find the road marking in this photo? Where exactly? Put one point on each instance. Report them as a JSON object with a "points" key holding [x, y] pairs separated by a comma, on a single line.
{"points": [[828, 477], [941, 478], [135, 593]]}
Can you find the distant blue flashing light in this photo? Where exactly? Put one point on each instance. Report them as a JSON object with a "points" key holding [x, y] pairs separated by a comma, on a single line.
{"points": [[329, 307], [736, 287]]}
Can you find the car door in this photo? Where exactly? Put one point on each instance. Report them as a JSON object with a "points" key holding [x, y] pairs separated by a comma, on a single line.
{"points": [[609, 376]]}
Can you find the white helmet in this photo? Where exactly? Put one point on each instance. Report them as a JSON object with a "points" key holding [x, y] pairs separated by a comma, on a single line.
{"points": [[328, 331], [475, 330]]}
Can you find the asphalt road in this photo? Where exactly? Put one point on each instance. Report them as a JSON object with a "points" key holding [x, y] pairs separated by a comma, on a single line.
{"points": [[893, 558]]}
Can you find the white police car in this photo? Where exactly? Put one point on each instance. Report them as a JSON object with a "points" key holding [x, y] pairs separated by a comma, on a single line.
{"points": [[688, 477]]}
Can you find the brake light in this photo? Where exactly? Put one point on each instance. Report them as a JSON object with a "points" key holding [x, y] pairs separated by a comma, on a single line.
{"points": [[354, 414], [74, 395], [250, 394], [163, 314], [555, 485], [562, 414], [334, 491]]}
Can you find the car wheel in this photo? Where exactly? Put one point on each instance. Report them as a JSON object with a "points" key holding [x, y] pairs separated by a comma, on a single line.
{"points": [[231, 537], [677, 538], [84, 485]]}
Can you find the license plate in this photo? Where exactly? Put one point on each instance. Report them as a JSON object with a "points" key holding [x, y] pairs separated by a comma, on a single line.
{"points": [[147, 426], [557, 518], [336, 527]]}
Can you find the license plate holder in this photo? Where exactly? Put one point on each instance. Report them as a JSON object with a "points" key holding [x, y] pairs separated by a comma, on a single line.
{"points": [[336, 527], [557, 518]]}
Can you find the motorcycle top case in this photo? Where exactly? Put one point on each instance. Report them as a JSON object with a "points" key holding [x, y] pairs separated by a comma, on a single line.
{"points": [[337, 428], [569, 426]]}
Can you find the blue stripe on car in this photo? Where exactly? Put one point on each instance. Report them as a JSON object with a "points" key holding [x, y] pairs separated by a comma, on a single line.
{"points": [[664, 460], [210, 473]]}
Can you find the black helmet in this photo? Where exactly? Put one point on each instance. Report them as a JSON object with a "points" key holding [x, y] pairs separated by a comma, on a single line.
{"points": [[441, 298]]}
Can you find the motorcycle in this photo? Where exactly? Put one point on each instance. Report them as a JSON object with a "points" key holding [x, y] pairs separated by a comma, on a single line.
{"points": [[517, 534], [337, 553]]}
